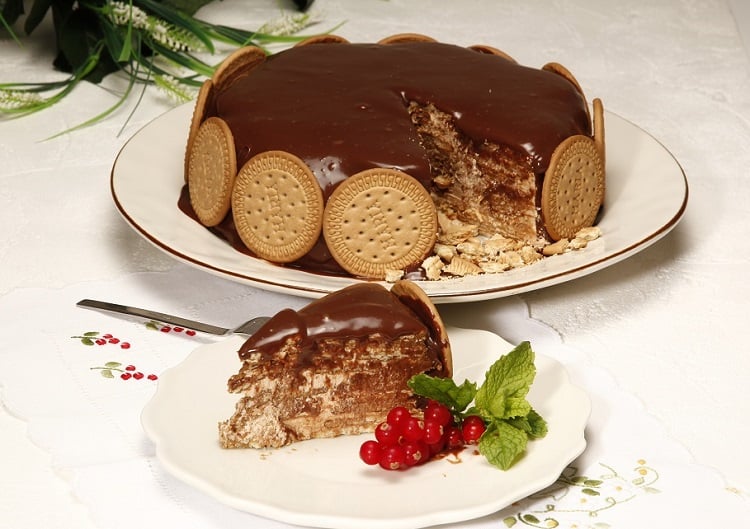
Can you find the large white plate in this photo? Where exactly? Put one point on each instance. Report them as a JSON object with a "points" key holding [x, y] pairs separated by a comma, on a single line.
{"points": [[323, 483], [645, 198]]}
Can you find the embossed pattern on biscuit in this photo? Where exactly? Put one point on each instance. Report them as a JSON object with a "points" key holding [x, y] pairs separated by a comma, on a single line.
{"points": [[212, 166], [277, 206], [379, 220], [573, 188]]}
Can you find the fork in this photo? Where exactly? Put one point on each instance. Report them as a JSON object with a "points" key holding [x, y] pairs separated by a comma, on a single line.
{"points": [[248, 328]]}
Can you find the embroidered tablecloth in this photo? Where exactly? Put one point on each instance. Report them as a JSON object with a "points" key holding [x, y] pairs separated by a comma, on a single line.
{"points": [[81, 377]]}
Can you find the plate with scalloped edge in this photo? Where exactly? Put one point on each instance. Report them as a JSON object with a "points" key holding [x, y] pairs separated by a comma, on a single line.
{"points": [[323, 483], [646, 197]]}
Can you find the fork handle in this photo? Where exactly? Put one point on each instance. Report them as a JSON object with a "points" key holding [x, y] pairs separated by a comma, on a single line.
{"points": [[153, 315]]}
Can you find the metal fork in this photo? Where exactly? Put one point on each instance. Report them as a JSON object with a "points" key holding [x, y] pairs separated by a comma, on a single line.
{"points": [[248, 328]]}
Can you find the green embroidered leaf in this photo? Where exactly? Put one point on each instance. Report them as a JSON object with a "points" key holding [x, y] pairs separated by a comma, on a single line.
{"points": [[509, 521], [106, 373], [592, 482], [531, 519], [91, 333], [87, 341], [113, 364], [590, 492]]}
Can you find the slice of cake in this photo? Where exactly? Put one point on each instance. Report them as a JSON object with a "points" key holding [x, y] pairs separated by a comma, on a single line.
{"points": [[334, 367]]}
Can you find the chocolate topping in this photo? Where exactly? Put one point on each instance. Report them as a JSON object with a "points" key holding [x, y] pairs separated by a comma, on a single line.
{"points": [[342, 108], [356, 311]]}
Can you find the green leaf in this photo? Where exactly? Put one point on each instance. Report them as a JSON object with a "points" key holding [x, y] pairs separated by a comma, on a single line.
{"points": [[36, 14], [106, 373], [537, 423], [509, 521], [91, 333], [502, 444], [113, 364], [507, 382], [189, 7], [444, 390], [87, 341]]}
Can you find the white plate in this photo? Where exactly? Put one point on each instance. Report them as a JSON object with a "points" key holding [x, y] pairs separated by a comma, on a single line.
{"points": [[646, 196], [323, 483]]}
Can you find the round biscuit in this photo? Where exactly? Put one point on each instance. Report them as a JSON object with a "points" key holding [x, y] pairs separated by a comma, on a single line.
{"points": [[599, 128], [203, 104], [573, 187], [559, 69], [277, 206], [322, 39], [212, 166], [411, 295], [379, 220], [237, 65], [483, 48], [406, 37]]}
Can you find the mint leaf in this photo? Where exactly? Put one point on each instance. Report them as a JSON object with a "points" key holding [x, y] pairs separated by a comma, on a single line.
{"points": [[502, 444], [538, 425], [503, 393], [444, 390]]}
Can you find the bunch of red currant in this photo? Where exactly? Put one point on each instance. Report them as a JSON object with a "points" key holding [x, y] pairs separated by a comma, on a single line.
{"points": [[404, 440]]}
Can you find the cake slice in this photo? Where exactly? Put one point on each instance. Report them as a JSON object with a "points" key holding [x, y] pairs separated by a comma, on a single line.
{"points": [[336, 366]]}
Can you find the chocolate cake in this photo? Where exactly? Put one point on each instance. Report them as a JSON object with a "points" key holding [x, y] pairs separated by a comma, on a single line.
{"points": [[478, 131], [334, 367]]}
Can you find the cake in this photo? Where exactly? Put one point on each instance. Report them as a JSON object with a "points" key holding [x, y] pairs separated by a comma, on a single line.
{"points": [[328, 140], [336, 366]]}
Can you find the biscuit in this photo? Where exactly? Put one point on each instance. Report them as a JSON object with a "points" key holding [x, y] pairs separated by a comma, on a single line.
{"points": [[419, 302], [237, 65], [377, 220], [277, 206], [406, 37], [599, 128], [322, 39], [483, 48], [204, 104], [562, 71], [211, 169], [573, 187]]}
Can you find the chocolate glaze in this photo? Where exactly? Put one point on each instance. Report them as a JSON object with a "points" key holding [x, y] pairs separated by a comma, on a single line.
{"points": [[343, 108], [357, 311]]}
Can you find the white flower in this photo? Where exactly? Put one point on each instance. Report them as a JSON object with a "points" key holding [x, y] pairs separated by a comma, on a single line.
{"points": [[15, 99], [289, 23]]}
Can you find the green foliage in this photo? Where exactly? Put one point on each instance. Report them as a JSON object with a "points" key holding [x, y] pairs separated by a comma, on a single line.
{"points": [[154, 42]]}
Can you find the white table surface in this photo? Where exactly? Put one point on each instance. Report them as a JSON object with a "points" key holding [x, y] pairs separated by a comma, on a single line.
{"points": [[670, 324]]}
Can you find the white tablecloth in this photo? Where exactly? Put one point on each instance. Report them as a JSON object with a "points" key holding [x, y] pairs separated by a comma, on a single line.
{"points": [[667, 327]]}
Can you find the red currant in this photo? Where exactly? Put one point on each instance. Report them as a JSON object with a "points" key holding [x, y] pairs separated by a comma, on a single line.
{"points": [[138, 375], [393, 458], [125, 376], [454, 437], [411, 429], [178, 329], [129, 368], [370, 452], [125, 345], [416, 453], [433, 432], [472, 429], [166, 328], [152, 377], [190, 332], [439, 413], [398, 415], [114, 340], [387, 434]]}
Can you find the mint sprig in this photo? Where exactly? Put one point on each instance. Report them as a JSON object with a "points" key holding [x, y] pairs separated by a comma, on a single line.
{"points": [[500, 401]]}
